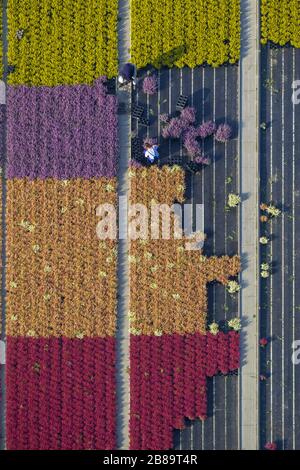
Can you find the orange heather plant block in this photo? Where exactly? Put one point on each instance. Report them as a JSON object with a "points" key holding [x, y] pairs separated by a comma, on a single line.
{"points": [[169, 286], [61, 279], [162, 185], [168, 282]]}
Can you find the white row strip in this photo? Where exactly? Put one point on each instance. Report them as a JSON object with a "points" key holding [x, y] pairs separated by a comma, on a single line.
{"points": [[249, 236]]}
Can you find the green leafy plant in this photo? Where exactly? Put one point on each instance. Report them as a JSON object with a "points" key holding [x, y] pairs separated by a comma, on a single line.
{"points": [[235, 324], [214, 328], [233, 287], [233, 200]]}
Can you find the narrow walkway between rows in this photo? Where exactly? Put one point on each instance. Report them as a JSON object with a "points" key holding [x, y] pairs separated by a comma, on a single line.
{"points": [[122, 336], [249, 236]]}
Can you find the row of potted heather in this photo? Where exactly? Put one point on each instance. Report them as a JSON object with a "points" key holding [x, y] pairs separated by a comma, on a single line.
{"points": [[168, 381], [60, 393]]}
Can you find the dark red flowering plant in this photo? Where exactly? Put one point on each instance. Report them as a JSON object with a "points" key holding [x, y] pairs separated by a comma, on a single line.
{"points": [[263, 342], [271, 446]]}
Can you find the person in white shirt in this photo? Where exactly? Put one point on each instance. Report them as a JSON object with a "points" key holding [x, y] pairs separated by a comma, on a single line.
{"points": [[151, 152]]}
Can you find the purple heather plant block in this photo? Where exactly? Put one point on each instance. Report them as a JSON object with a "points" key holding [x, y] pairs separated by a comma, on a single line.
{"points": [[206, 129], [62, 132], [150, 85], [223, 133], [2, 131]]}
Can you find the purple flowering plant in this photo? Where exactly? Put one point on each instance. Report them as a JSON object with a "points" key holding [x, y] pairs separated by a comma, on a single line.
{"points": [[150, 85]]}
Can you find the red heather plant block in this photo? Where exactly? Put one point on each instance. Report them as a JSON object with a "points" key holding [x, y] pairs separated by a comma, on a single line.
{"points": [[178, 380], [62, 132], [135, 395], [145, 411], [60, 393], [234, 347], [188, 377], [200, 379], [212, 353], [168, 382], [157, 414], [166, 390], [223, 353]]}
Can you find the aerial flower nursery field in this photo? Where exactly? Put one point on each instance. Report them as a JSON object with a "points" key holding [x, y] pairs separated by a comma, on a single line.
{"points": [[147, 341], [61, 138]]}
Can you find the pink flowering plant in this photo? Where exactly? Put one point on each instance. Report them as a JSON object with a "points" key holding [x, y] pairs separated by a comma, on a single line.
{"points": [[150, 85], [150, 141], [223, 133], [206, 129], [164, 118]]}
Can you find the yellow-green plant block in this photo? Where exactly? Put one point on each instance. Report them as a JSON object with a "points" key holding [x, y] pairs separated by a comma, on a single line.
{"points": [[280, 22], [63, 42], [185, 32]]}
